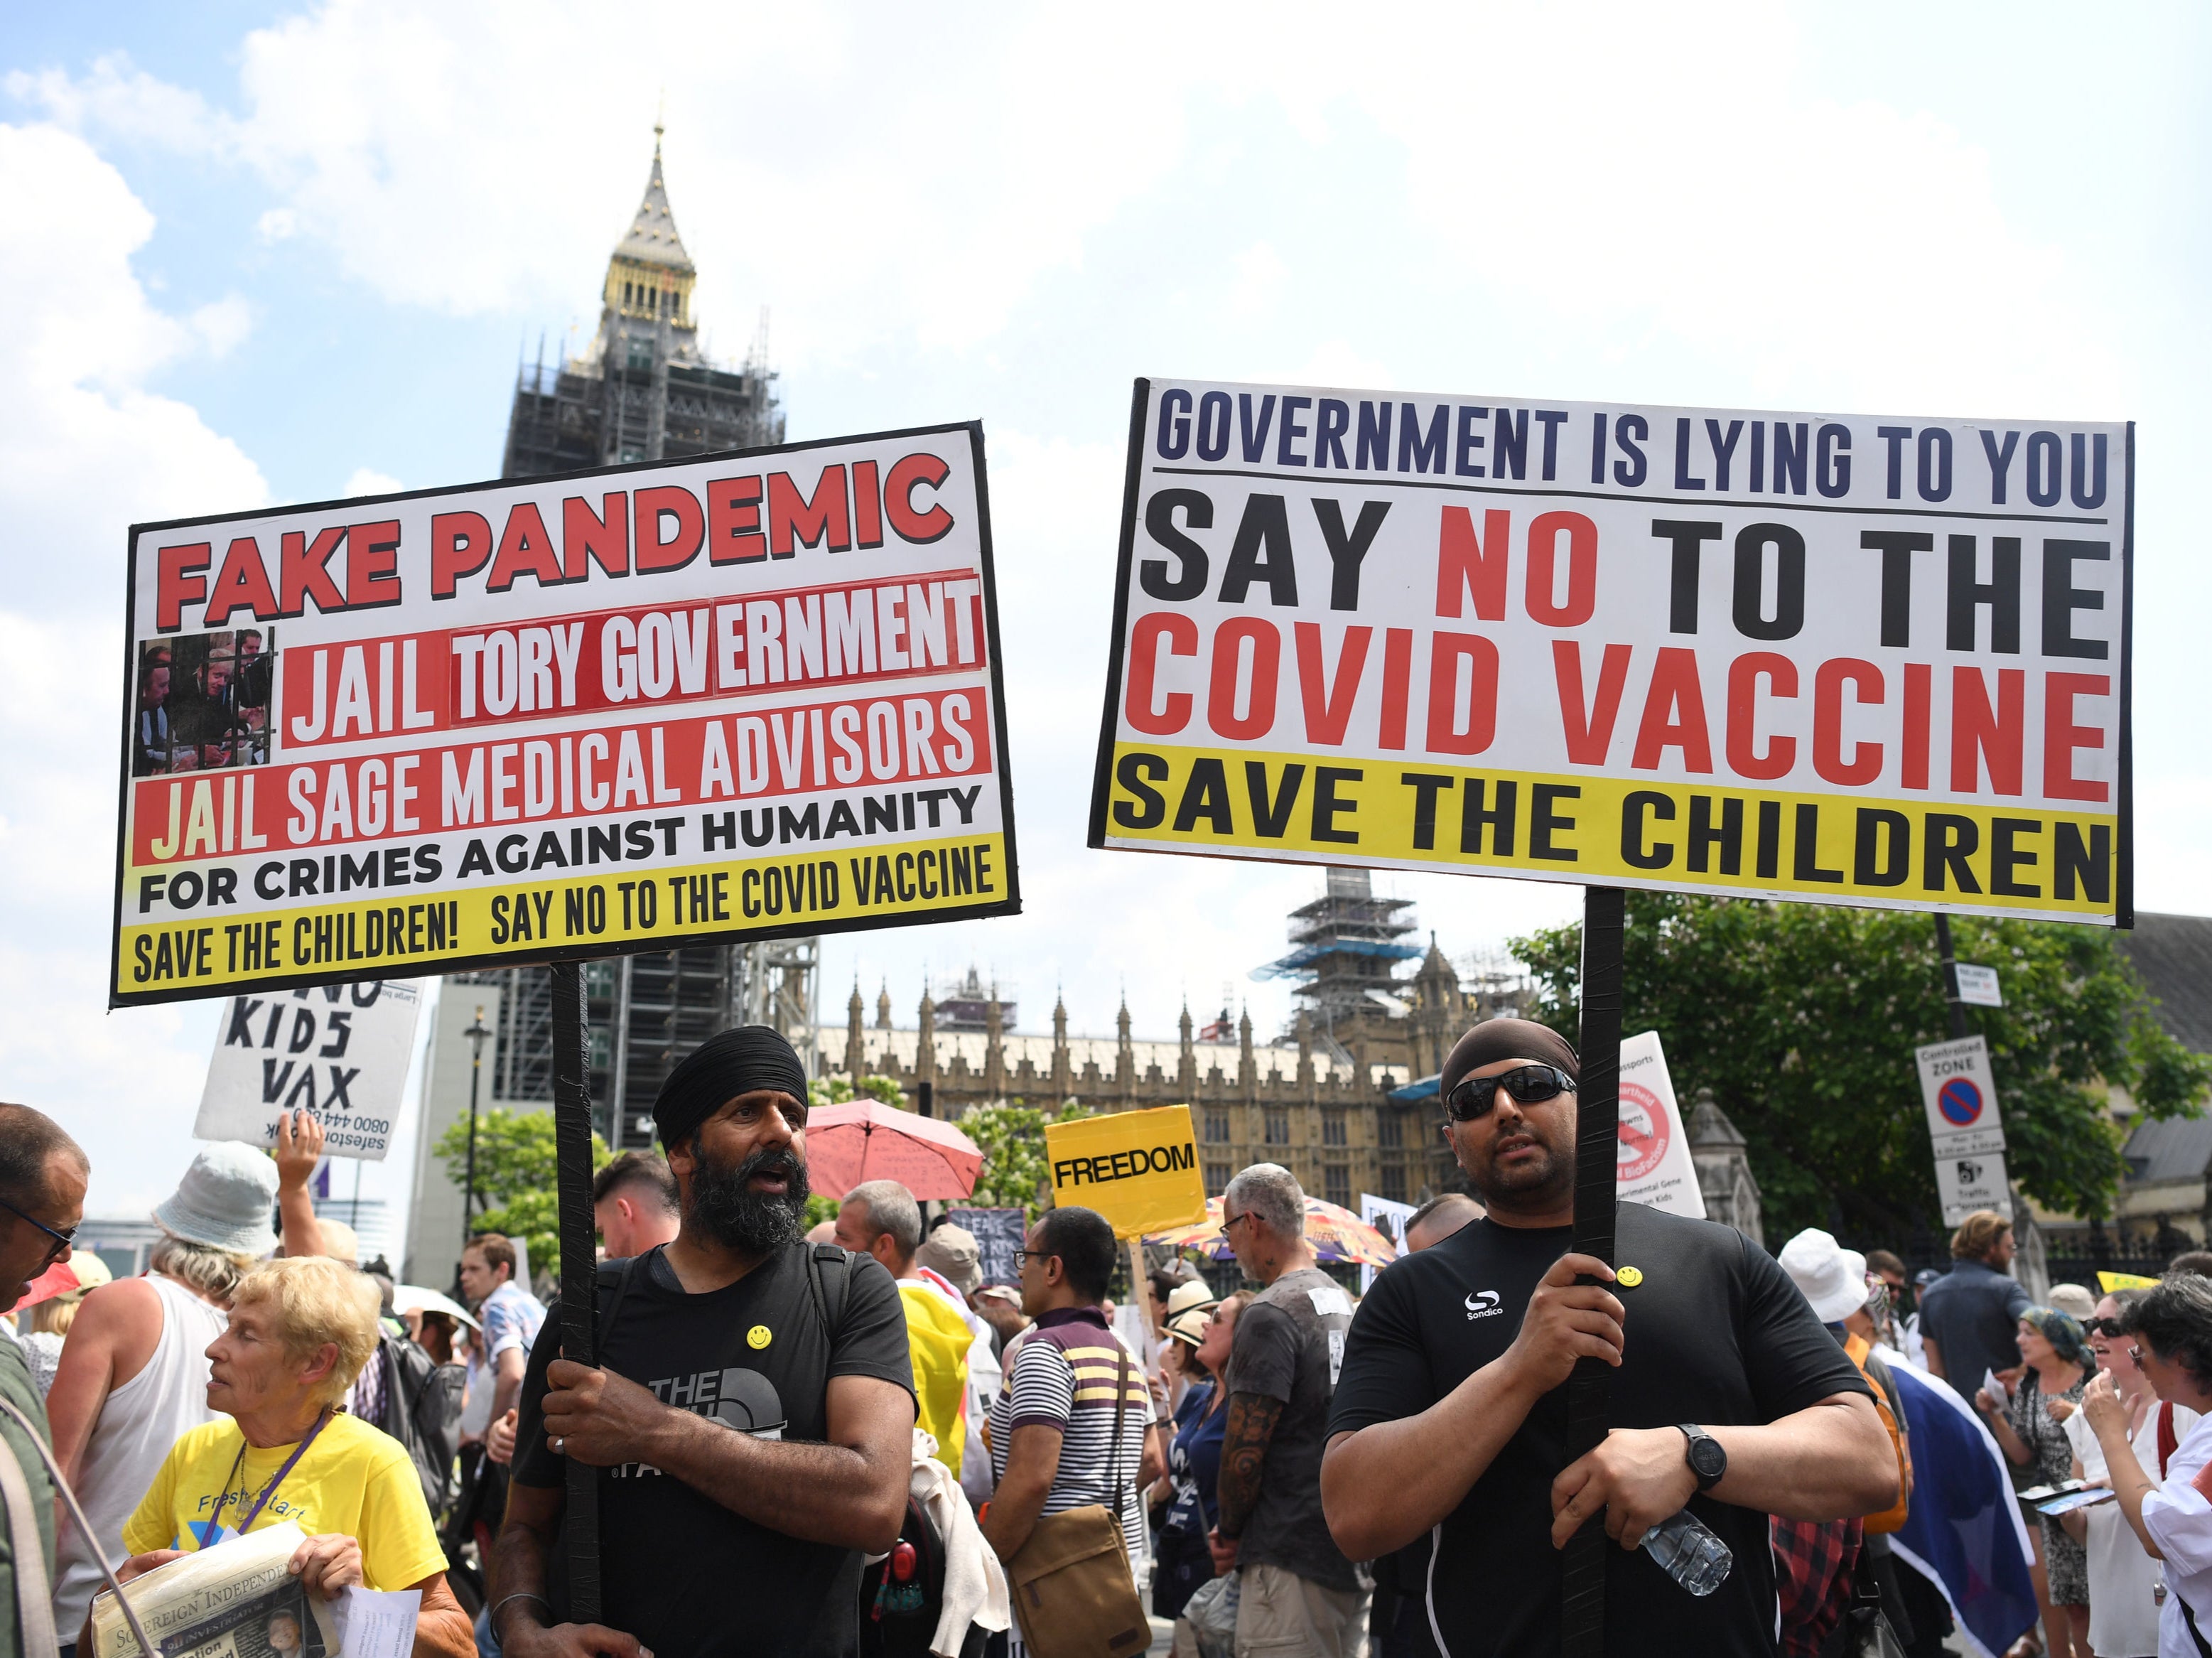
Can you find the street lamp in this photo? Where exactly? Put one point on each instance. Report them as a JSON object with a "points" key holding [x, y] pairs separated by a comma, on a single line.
{"points": [[477, 1033]]}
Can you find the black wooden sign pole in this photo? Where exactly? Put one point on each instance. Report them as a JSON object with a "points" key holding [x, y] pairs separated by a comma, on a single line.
{"points": [[572, 1139], [1597, 1140]]}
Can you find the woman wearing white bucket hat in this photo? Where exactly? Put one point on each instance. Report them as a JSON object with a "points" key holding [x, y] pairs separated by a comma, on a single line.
{"points": [[133, 1377]]}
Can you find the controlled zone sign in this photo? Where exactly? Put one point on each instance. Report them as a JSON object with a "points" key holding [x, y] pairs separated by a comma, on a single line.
{"points": [[1835, 659], [742, 696], [1966, 1130], [1139, 1169]]}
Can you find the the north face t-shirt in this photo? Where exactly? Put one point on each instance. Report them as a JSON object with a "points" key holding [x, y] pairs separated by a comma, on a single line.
{"points": [[1289, 1345], [680, 1572], [1716, 1333]]}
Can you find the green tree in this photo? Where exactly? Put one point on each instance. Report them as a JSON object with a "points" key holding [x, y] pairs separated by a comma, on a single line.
{"points": [[1802, 1018], [833, 1090], [517, 1176], [1016, 1175]]}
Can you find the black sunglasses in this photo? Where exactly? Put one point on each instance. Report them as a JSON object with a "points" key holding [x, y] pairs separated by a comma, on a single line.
{"points": [[2106, 1327], [1473, 1098], [63, 1242]]}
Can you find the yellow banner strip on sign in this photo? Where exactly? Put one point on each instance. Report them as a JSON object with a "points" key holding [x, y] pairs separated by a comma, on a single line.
{"points": [[522, 920], [1139, 1169], [1970, 858]]}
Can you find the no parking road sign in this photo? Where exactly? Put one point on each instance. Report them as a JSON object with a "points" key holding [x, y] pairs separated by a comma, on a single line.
{"points": [[1964, 1126]]}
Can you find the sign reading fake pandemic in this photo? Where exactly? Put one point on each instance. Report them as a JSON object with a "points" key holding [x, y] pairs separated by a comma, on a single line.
{"points": [[1139, 1169], [1827, 658], [742, 696], [339, 1053]]}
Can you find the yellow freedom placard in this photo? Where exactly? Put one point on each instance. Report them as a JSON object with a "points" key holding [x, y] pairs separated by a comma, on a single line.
{"points": [[1139, 1169], [2113, 1282]]}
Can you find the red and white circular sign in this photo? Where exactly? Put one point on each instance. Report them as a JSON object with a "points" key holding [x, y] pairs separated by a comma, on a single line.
{"points": [[1644, 1133]]}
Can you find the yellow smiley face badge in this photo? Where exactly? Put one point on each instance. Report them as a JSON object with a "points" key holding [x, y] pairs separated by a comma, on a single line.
{"points": [[759, 1337], [1628, 1278]]}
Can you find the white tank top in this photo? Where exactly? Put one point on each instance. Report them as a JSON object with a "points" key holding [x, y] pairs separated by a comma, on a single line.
{"points": [[141, 1420]]}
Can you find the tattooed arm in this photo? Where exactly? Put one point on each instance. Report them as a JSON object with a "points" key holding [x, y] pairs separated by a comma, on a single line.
{"points": [[1252, 1419]]}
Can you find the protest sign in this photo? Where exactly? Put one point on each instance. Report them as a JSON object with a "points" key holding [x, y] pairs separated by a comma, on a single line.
{"points": [[1389, 1217], [339, 1053], [1139, 1169], [998, 1234], [1654, 1165], [1824, 658], [743, 696]]}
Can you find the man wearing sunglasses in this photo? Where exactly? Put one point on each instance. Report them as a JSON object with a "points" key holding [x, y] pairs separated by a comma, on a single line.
{"points": [[1728, 1398], [43, 1175]]}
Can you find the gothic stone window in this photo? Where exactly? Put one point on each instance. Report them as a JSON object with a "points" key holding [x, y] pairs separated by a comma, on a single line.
{"points": [[1336, 1184], [1217, 1179], [1279, 1127], [1390, 1130], [1217, 1124], [1332, 1128], [1394, 1182]]}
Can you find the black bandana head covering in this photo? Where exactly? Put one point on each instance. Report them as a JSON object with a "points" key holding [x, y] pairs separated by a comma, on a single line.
{"points": [[728, 1064], [1507, 1039]]}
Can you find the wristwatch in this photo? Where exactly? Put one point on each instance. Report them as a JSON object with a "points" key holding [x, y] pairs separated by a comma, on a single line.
{"points": [[1707, 1457]]}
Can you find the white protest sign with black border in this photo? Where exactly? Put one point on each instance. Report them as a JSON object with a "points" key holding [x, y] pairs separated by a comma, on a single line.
{"points": [[744, 695], [339, 1052], [1829, 658]]}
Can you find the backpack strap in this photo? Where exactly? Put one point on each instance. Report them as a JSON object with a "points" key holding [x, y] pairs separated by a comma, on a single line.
{"points": [[830, 1289], [614, 1284]]}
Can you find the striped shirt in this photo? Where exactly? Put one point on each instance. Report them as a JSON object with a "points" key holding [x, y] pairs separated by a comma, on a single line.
{"points": [[1059, 1373]]}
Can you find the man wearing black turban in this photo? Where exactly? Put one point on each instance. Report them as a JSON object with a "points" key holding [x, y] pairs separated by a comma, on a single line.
{"points": [[751, 1414], [1730, 1398]]}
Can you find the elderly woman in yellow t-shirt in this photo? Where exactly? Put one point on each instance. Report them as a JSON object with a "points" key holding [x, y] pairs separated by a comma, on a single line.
{"points": [[300, 1331]]}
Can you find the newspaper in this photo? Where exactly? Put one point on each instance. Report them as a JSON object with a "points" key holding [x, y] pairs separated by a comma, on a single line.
{"points": [[237, 1599]]}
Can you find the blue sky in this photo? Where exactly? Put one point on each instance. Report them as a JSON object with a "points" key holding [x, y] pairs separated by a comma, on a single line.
{"points": [[266, 252]]}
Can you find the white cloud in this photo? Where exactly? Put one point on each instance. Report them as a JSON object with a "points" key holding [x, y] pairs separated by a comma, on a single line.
{"points": [[367, 481], [1611, 168], [221, 324], [278, 224], [85, 450]]}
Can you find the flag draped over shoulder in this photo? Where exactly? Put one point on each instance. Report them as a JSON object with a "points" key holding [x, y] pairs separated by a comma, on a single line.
{"points": [[1964, 1532]]}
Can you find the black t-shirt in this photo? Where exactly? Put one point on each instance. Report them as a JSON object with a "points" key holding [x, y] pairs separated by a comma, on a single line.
{"points": [[1717, 1333], [683, 1574]]}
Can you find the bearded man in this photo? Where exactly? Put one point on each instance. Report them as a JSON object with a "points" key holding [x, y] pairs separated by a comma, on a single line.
{"points": [[752, 1415]]}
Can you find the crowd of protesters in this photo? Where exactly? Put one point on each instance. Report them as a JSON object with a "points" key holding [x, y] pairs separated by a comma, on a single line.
{"points": [[845, 1441]]}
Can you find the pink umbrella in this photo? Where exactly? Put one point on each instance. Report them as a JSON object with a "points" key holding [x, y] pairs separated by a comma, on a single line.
{"points": [[866, 1139]]}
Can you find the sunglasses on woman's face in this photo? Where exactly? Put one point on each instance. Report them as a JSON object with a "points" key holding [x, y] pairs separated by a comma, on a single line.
{"points": [[2103, 1327], [1529, 1085]]}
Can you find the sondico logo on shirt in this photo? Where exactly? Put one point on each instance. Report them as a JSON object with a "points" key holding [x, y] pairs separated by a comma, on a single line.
{"points": [[1483, 1303]]}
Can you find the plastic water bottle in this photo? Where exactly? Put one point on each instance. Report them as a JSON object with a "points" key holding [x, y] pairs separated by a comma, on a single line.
{"points": [[1690, 1553]]}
